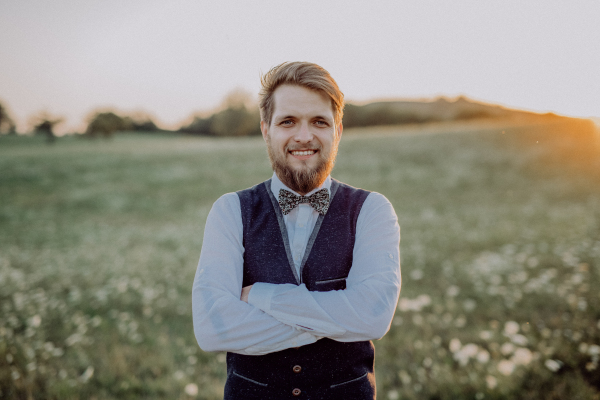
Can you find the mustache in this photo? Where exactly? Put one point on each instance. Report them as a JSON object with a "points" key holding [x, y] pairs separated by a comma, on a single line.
{"points": [[301, 148]]}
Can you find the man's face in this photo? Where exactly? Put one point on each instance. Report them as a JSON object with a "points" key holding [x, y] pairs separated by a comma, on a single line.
{"points": [[302, 138]]}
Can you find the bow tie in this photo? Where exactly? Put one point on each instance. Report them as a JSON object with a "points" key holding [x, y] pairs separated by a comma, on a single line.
{"points": [[318, 200]]}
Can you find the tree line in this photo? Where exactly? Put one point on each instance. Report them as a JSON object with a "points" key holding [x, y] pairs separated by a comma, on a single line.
{"points": [[238, 115]]}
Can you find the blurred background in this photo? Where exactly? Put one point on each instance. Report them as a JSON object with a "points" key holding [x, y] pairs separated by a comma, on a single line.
{"points": [[122, 122]]}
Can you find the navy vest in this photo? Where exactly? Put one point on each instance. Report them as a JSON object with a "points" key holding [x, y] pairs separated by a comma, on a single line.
{"points": [[326, 369]]}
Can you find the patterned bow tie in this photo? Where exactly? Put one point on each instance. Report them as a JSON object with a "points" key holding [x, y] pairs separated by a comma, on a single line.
{"points": [[318, 200]]}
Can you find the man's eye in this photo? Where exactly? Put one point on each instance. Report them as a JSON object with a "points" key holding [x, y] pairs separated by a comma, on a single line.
{"points": [[287, 122], [321, 123]]}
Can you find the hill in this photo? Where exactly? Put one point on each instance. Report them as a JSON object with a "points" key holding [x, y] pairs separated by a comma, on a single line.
{"points": [[440, 109]]}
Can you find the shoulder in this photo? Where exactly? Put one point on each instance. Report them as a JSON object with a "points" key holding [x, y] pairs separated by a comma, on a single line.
{"points": [[259, 187], [372, 200], [347, 197], [377, 208], [344, 187], [226, 208], [252, 194], [377, 200]]}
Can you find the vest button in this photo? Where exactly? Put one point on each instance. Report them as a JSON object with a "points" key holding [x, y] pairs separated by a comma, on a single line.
{"points": [[296, 392], [297, 368]]}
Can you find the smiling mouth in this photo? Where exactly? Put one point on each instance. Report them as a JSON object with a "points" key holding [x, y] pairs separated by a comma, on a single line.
{"points": [[302, 152]]}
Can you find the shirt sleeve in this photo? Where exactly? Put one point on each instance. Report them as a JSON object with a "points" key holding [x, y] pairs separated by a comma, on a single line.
{"points": [[222, 322], [362, 311]]}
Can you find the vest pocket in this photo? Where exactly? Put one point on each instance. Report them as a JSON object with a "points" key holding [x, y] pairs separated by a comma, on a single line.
{"points": [[350, 381], [249, 380], [331, 284]]}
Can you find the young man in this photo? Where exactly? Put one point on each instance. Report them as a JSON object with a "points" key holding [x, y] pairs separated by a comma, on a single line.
{"points": [[299, 273]]}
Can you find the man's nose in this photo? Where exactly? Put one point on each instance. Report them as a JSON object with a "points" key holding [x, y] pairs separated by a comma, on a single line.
{"points": [[303, 134]]}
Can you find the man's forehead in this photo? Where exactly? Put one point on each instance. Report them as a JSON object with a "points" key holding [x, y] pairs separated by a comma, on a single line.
{"points": [[294, 99]]}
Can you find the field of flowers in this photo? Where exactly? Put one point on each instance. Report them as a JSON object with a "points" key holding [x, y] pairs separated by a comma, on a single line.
{"points": [[500, 248]]}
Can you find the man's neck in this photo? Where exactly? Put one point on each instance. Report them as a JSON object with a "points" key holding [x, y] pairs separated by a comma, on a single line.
{"points": [[281, 184]]}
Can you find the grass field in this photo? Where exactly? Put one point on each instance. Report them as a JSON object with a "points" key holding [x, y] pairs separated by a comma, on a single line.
{"points": [[500, 247]]}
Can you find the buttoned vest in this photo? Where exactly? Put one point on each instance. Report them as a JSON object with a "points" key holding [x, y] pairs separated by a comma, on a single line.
{"points": [[326, 369]]}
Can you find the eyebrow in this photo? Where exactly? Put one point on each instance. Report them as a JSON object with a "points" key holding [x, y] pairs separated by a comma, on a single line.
{"points": [[278, 118]]}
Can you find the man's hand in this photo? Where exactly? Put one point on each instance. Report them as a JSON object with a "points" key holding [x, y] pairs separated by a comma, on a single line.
{"points": [[245, 293]]}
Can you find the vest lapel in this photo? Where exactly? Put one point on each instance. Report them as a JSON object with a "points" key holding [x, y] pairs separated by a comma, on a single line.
{"points": [[283, 229], [284, 233], [315, 232]]}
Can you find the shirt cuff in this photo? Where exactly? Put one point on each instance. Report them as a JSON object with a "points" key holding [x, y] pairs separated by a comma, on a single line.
{"points": [[260, 295]]}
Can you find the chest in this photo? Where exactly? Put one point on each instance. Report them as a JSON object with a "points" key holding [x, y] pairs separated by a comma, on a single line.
{"points": [[327, 259]]}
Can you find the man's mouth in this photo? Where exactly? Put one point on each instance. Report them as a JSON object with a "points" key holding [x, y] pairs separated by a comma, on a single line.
{"points": [[302, 152]]}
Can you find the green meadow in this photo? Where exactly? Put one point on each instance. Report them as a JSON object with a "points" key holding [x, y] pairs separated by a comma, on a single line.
{"points": [[99, 241]]}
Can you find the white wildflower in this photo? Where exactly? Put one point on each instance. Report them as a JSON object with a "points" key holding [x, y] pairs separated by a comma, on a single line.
{"points": [[35, 321], [552, 365], [191, 389], [453, 291], [74, 338], [485, 335], [87, 374], [416, 274], [491, 382], [507, 348], [470, 349], [483, 356], [519, 340], [455, 345], [424, 300], [460, 321], [511, 328], [522, 356], [464, 354], [469, 305], [178, 375], [506, 367], [404, 377]]}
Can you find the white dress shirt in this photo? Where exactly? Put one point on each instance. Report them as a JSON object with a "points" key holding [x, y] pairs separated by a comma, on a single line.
{"points": [[280, 316]]}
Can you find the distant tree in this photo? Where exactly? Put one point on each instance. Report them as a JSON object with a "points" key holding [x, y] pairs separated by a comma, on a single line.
{"points": [[7, 124], [141, 122], [143, 125], [105, 124], [239, 116], [199, 126], [44, 123]]}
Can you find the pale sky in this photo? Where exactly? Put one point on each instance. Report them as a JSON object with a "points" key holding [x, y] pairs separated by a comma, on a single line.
{"points": [[173, 58]]}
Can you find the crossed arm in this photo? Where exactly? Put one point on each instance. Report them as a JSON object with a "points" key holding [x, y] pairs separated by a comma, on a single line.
{"points": [[276, 317]]}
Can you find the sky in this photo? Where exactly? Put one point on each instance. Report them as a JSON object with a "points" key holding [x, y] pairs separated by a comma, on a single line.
{"points": [[174, 58]]}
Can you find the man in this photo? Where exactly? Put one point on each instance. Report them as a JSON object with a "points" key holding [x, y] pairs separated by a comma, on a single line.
{"points": [[299, 273]]}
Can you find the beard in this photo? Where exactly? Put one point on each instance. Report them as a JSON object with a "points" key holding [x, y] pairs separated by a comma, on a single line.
{"points": [[304, 179]]}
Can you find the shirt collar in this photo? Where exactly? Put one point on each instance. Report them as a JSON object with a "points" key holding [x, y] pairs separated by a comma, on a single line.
{"points": [[276, 184]]}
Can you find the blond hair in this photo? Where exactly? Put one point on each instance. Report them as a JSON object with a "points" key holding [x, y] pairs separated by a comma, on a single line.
{"points": [[305, 74]]}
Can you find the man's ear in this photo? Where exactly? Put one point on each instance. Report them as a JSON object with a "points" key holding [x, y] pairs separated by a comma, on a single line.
{"points": [[264, 128], [340, 129]]}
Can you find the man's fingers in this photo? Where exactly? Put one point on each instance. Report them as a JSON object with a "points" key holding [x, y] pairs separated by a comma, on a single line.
{"points": [[245, 293]]}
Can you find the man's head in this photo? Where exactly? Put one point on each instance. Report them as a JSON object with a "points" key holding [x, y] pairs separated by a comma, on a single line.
{"points": [[301, 110]]}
